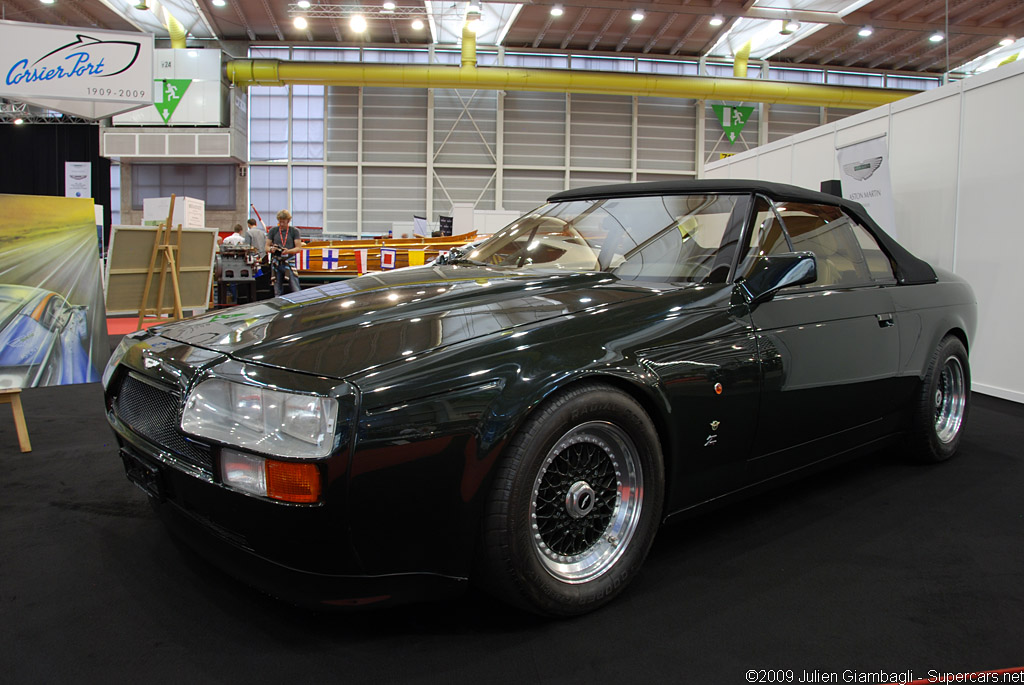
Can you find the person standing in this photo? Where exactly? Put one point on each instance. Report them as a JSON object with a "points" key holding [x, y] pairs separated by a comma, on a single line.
{"points": [[256, 238], [236, 238], [284, 240]]}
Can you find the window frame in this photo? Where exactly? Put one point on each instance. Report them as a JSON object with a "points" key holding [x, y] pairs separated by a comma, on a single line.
{"points": [[872, 282]]}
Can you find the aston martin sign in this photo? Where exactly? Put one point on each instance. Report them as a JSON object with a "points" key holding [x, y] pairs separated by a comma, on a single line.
{"points": [[104, 71]]}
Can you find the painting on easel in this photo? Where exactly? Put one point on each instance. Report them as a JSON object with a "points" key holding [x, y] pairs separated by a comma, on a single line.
{"points": [[52, 317], [130, 266]]}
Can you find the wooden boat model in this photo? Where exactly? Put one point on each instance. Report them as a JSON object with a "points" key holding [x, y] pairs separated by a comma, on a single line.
{"points": [[325, 259]]}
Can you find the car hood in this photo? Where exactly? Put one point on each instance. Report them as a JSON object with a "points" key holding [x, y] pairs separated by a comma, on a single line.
{"points": [[348, 327]]}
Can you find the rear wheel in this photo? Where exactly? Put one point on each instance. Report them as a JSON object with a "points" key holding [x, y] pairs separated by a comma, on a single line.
{"points": [[943, 404], [576, 503]]}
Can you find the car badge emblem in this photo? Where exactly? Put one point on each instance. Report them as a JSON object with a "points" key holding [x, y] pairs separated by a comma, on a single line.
{"points": [[715, 425], [150, 363], [711, 441]]}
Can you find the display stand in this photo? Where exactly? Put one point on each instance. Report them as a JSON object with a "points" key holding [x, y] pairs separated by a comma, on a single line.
{"points": [[12, 396], [166, 251]]}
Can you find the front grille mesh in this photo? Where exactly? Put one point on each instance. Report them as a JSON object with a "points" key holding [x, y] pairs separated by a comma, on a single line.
{"points": [[153, 413]]}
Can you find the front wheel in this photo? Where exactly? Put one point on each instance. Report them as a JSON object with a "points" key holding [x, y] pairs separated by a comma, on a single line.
{"points": [[576, 503], [943, 404]]}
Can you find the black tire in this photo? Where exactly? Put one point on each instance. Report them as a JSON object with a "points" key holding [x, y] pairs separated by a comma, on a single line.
{"points": [[943, 404], [576, 502]]}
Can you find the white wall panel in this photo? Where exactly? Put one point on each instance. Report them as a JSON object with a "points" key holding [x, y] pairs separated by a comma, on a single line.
{"points": [[342, 123], [989, 229], [462, 185], [923, 149], [813, 161], [465, 126], [863, 126], [600, 130], [776, 165], [395, 125], [342, 207], [534, 129], [582, 179], [834, 114], [666, 134], [788, 120], [391, 195], [524, 190]]}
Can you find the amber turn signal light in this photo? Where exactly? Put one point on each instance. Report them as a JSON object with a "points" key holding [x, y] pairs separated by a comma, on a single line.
{"points": [[290, 481]]}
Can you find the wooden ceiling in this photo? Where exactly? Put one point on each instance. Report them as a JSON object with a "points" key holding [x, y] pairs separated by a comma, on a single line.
{"points": [[670, 28]]}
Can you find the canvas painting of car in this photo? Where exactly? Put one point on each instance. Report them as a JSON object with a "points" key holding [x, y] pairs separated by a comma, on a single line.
{"points": [[52, 318]]}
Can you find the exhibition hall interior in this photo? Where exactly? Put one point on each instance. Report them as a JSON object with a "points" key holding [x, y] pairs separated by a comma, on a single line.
{"points": [[547, 342]]}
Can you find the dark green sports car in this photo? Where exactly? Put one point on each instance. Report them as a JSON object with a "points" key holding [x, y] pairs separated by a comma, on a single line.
{"points": [[525, 415]]}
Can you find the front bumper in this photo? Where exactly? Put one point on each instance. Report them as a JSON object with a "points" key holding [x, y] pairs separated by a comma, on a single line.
{"points": [[299, 553]]}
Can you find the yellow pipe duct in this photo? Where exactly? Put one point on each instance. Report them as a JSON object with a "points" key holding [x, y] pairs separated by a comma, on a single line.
{"points": [[468, 46], [176, 31], [739, 66], [174, 28], [266, 72]]}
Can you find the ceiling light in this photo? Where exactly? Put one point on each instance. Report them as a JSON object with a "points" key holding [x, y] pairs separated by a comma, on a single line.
{"points": [[1009, 40], [789, 26], [300, 23], [417, 24], [357, 23], [865, 32], [219, 3], [304, 4], [47, 2], [141, 5], [557, 11], [638, 15], [19, 121], [717, 20], [389, 6], [936, 37]]}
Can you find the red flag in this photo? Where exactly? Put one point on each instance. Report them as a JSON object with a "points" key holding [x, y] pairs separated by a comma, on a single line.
{"points": [[361, 261]]}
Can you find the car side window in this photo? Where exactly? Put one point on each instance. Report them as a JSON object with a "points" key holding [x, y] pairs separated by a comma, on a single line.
{"points": [[878, 262], [831, 235], [685, 238], [766, 236]]}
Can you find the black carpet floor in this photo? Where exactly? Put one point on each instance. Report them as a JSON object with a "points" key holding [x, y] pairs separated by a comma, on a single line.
{"points": [[873, 566]]}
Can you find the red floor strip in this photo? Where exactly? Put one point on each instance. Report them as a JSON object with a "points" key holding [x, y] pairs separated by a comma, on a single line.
{"points": [[123, 325]]}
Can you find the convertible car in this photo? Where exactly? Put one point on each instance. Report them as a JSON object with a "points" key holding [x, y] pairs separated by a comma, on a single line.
{"points": [[525, 415]]}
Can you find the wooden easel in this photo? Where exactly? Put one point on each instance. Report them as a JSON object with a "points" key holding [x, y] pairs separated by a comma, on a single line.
{"points": [[12, 397], [168, 263]]}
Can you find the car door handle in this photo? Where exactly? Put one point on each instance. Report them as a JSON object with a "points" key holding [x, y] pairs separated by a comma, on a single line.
{"points": [[885, 320]]}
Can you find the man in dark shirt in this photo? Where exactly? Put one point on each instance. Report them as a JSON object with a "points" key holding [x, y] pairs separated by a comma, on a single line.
{"points": [[284, 240]]}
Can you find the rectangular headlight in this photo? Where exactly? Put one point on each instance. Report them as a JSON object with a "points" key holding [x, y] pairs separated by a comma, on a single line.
{"points": [[260, 419]]}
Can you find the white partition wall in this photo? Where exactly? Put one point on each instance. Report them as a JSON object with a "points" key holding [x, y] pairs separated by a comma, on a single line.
{"points": [[957, 180]]}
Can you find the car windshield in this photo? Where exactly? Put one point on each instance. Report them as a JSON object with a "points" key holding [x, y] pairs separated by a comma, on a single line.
{"points": [[688, 238]]}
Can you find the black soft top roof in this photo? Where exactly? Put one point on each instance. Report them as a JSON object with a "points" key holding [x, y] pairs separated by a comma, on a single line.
{"points": [[909, 269]]}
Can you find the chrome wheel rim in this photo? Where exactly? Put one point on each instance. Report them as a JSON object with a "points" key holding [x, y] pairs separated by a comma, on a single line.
{"points": [[586, 502], [950, 400]]}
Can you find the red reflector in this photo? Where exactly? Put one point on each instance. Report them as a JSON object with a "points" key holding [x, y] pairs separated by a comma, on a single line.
{"points": [[291, 481]]}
